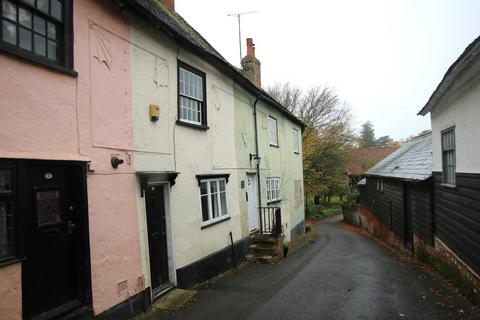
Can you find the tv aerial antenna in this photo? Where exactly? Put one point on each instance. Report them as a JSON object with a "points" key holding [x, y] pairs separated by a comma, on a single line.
{"points": [[239, 16]]}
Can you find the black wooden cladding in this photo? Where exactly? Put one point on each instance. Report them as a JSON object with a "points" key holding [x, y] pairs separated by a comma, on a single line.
{"points": [[421, 209], [457, 216], [390, 205]]}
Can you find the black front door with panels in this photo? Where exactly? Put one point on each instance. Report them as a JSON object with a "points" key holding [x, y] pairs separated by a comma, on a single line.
{"points": [[50, 225], [157, 236]]}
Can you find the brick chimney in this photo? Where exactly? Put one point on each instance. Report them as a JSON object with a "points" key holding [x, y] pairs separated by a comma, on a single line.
{"points": [[251, 65], [170, 4]]}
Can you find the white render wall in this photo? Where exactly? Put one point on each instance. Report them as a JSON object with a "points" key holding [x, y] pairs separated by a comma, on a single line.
{"points": [[462, 111], [165, 146]]}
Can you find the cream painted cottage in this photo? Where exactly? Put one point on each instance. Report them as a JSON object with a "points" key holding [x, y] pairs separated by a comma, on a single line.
{"points": [[133, 158]]}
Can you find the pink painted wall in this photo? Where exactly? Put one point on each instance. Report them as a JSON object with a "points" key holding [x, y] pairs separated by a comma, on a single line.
{"points": [[48, 115], [11, 292]]}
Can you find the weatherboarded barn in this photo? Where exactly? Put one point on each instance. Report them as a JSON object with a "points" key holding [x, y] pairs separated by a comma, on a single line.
{"points": [[396, 197]]}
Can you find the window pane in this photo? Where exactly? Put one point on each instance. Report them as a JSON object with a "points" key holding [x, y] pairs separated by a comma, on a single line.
{"points": [[222, 185], [9, 10], [9, 32], [5, 181], [203, 188], [39, 45], [52, 31], [30, 2], [215, 209], [25, 39], [223, 200], [52, 50], [25, 18], [39, 25], [42, 5], [204, 200], [213, 186], [6, 229], [56, 9]]}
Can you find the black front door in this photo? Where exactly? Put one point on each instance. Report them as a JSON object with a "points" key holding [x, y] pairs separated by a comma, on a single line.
{"points": [[157, 236], [54, 229]]}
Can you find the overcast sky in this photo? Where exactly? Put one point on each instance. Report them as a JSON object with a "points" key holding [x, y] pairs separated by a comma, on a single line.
{"points": [[383, 57]]}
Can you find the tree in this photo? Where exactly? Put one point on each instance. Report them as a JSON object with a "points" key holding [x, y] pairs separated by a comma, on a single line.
{"points": [[327, 138], [367, 135]]}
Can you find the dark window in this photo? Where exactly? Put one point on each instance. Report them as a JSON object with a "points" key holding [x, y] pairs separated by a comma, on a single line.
{"points": [[448, 156], [39, 30], [192, 106], [7, 213]]}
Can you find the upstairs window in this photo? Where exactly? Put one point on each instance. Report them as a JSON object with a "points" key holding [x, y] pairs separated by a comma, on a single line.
{"points": [[296, 141], [448, 156], [39, 30], [272, 132], [273, 189], [191, 96]]}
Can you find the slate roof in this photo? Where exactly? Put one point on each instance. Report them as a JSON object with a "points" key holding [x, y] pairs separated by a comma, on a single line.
{"points": [[413, 161], [471, 53], [174, 25], [364, 158]]}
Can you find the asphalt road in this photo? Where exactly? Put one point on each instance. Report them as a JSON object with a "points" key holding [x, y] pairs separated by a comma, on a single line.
{"points": [[342, 275]]}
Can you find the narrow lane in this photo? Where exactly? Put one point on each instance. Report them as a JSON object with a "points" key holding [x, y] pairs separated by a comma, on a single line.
{"points": [[342, 275]]}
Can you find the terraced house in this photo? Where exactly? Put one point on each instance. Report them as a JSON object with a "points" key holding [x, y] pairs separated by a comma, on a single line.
{"points": [[133, 158]]}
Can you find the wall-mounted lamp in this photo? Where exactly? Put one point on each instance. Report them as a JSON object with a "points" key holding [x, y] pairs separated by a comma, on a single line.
{"points": [[116, 161], [255, 158]]}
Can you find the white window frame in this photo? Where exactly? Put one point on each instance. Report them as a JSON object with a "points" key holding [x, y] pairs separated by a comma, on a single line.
{"points": [[296, 141], [272, 131], [198, 97], [449, 166], [273, 189], [222, 215], [380, 184]]}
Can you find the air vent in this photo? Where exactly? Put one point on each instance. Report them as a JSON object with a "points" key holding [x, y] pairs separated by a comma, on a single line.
{"points": [[122, 287]]}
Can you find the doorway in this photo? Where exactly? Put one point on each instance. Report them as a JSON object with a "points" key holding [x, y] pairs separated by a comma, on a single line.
{"points": [[157, 237], [252, 201], [53, 228]]}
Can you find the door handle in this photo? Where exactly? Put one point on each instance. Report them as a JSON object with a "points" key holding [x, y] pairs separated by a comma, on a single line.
{"points": [[71, 227]]}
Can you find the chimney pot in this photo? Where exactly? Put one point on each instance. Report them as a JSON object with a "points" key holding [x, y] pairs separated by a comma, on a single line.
{"points": [[170, 4], [250, 47], [251, 65]]}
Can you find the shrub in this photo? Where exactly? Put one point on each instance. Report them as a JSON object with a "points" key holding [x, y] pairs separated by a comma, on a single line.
{"points": [[313, 211], [352, 196]]}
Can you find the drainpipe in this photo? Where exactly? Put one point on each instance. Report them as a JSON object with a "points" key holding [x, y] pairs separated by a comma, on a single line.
{"points": [[257, 163]]}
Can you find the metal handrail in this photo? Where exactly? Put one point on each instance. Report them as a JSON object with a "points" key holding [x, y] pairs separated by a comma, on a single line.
{"points": [[270, 220]]}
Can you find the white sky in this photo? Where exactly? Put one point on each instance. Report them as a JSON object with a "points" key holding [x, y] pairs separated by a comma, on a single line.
{"points": [[384, 57]]}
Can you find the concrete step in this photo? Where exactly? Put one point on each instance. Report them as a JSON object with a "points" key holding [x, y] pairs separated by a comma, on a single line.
{"points": [[262, 248], [264, 240], [259, 258]]}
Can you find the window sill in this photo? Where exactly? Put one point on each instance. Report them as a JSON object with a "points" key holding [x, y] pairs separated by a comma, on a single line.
{"points": [[37, 61], [10, 261], [209, 224], [191, 125], [274, 201], [449, 186], [274, 145]]}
